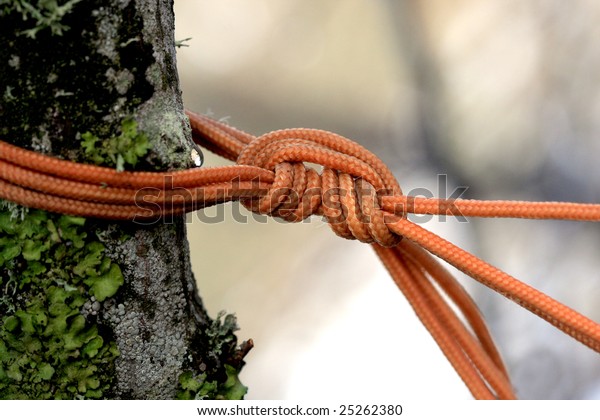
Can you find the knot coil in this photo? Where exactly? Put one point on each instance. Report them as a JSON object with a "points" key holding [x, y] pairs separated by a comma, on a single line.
{"points": [[347, 192]]}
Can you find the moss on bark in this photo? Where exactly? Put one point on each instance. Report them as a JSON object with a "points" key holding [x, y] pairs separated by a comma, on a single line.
{"points": [[55, 276]]}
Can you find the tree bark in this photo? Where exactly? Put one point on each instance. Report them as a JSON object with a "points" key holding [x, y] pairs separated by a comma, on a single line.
{"points": [[89, 308]]}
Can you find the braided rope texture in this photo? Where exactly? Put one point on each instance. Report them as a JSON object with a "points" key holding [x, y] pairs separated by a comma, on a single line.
{"points": [[354, 192]]}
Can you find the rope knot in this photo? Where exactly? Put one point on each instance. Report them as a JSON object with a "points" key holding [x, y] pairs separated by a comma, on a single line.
{"points": [[347, 192]]}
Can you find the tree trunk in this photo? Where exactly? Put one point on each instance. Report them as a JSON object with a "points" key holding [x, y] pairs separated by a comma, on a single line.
{"points": [[89, 308]]}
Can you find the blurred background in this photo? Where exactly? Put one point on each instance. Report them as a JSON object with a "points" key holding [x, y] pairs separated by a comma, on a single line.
{"points": [[502, 96]]}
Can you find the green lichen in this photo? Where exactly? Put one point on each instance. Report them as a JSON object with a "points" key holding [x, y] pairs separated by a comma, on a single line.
{"points": [[51, 268], [197, 387], [219, 342], [117, 151], [220, 335], [43, 13]]}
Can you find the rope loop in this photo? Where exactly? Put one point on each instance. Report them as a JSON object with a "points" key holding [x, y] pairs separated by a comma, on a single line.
{"points": [[347, 192]]}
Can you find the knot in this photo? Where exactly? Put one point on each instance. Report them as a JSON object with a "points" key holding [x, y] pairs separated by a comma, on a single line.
{"points": [[346, 193]]}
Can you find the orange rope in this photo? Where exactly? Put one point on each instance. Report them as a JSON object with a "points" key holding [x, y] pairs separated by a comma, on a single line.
{"points": [[357, 195]]}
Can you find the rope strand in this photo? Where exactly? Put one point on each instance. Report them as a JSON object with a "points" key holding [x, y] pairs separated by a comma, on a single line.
{"points": [[492, 208]]}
